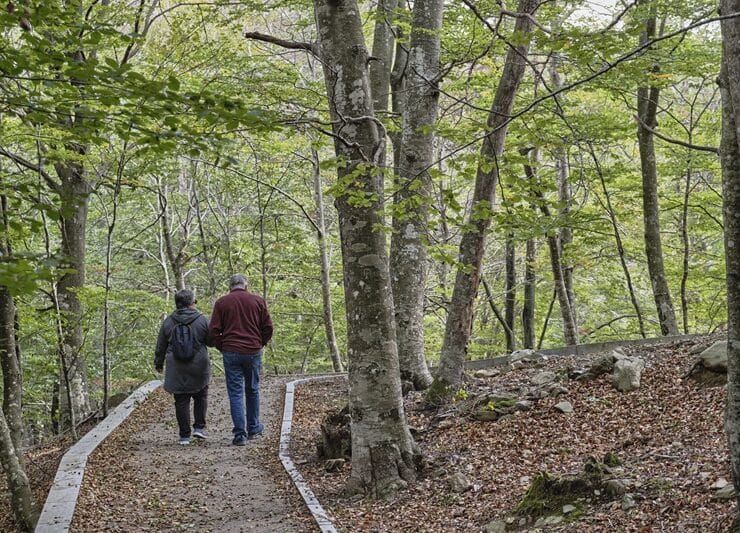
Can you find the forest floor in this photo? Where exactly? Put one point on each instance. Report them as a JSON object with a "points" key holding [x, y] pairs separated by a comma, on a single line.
{"points": [[668, 434]]}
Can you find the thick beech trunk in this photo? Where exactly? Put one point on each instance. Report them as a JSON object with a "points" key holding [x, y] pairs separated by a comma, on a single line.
{"points": [[331, 337], [74, 194], [384, 456], [647, 105], [408, 260], [21, 497], [459, 321], [730, 159]]}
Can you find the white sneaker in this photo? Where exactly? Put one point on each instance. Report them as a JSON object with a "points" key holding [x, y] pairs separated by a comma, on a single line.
{"points": [[184, 441], [200, 434]]}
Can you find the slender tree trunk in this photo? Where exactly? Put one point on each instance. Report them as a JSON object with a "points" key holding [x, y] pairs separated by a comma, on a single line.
{"points": [[570, 331], [730, 159], [496, 312], [206, 246], [384, 455], [408, 260], [460, 319], [530, 284], [647, 105], [510, 290], [398, 93], [620, 246], [565, 191], [174, 258], [21, 497], [331, 337]]}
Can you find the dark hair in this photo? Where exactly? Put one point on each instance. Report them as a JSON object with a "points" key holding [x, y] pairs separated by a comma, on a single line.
{"points": [[184, 299]]}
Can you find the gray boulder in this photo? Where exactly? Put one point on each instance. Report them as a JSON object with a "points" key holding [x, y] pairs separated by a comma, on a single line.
{"points": [[564, 407], [459, 483], [715, 357], [627, 372], [543, 378]]}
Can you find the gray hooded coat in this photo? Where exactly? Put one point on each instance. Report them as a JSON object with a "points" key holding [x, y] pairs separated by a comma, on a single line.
{"points": [[181, 377]]}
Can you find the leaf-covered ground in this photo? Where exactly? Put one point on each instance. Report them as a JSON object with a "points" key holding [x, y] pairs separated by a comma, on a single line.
{"points": [[669, 435]]}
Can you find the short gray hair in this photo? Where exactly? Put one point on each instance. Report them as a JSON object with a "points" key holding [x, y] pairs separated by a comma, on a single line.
{"points": [[237, 280]]}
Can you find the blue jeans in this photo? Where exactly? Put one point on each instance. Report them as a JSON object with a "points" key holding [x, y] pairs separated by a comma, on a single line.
{"points": [[242, 383]]}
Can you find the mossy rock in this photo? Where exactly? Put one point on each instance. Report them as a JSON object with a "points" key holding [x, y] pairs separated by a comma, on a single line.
{"points": [[548, 494]]}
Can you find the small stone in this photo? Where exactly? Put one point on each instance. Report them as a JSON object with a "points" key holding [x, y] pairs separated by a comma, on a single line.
{"points": [[567, 509], [628, 502], [522, 522], [615, 487], [497, 526], [484, 373], [721, 483], [554, 520], [543, 378], [725, 493], [459, 483], [564, 407], [486, 415], [523, 405], [510, 520], [446, 423]]}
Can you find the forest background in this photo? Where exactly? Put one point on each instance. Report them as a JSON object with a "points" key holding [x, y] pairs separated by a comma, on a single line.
{"points": [[149, 146]]}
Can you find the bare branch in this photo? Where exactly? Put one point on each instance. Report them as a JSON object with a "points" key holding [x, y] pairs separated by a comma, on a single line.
{"points": [[291, 45], [25, 163], [712, 149]]}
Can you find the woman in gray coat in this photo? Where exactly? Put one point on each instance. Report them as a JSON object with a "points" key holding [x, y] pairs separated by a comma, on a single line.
{"points": [[181, 350]]}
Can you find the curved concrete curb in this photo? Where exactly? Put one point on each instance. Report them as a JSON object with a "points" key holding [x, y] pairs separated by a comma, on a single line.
{"points": [[318, 513], [56, 516]]}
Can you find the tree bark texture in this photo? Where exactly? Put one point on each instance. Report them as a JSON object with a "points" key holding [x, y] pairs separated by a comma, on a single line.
{"points": [[459, 322], [570, 330], [382, 53], [74, 192], [331, 337], [730, 160], [21, 497], [384, 455], [647, 105], [510, 291], [530, 284], [408, 260]]}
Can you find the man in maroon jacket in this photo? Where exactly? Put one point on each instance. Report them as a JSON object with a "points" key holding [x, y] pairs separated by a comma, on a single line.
{"points": [[240, 327]]}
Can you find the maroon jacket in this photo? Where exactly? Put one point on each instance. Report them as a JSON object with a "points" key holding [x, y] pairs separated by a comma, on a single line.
{"points": [[240, 323]]}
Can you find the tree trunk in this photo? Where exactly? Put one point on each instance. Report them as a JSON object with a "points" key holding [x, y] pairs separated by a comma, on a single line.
{"points": [[647, 105], [460, 319], [398, 93], [74, 193], [174, 257], [510, 290], [530, 284], [10, 362], [730, 159], [565, 191], [384, 455], [408, 260], [21, 497], [620, 246], [331, 337], [382, 53]]}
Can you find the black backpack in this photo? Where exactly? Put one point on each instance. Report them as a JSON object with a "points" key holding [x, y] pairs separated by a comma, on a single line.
{"points": [[182, 340]]}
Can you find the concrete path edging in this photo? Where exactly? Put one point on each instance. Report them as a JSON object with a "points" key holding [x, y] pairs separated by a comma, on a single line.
{"points": [[313, 504], [56, 516]]}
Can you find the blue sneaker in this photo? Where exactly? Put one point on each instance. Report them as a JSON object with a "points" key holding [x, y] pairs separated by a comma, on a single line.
{"points": [[239, 440], [255, 436], [200, 433]]}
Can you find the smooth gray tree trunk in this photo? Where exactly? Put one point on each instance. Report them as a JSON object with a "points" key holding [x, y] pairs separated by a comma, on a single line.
{"points": [[730, 160], [459, 322], [408, 259], [384, 455], [510, 293], [74, 193], [331, 337], [647, 105], [21, 497], [530, 284]]}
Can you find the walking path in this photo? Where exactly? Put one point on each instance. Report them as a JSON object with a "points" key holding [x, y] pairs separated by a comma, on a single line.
{"points": [[141, 479]]}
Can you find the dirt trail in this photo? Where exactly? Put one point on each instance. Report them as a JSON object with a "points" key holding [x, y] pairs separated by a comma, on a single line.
{"points": [[141, 479]]}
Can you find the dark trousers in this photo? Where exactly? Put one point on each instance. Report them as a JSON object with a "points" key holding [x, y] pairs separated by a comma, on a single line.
{"points": [[182, 410]]}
